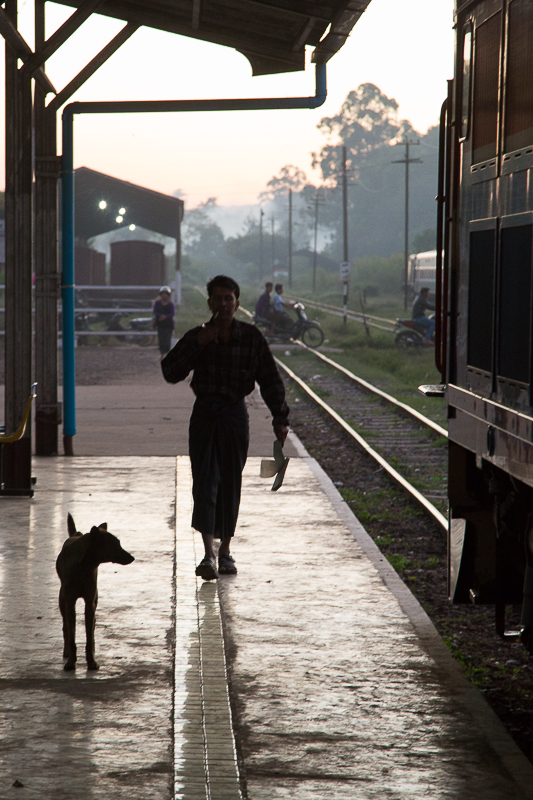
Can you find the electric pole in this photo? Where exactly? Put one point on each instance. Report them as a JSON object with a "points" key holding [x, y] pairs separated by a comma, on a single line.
{"points": [[273, 246], [261, 215], [406, 143], [290, 239], [345, 236]]}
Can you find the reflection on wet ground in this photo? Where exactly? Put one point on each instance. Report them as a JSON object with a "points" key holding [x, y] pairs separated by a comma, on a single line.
{"points": [[109, 734], [341, 688]]}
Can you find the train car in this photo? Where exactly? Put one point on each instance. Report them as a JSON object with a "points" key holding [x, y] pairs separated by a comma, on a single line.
{"points": [[421, 272], [484, 321]]}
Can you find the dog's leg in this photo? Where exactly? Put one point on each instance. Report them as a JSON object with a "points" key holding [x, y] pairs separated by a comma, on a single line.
{"points": [[68, 611], [90, 617]]}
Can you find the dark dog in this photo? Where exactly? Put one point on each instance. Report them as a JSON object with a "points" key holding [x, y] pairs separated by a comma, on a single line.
{"points": [[77, 567]]}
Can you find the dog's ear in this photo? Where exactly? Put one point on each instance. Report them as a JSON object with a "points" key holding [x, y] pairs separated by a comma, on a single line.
{"points": [[71, 526], [103, 526]]}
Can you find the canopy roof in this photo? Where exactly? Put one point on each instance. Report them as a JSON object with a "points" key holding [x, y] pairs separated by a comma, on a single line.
{"points": [[272, 34], [152, 210]]}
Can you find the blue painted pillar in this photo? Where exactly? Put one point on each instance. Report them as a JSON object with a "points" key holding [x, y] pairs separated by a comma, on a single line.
{"points": [[67, 289]]}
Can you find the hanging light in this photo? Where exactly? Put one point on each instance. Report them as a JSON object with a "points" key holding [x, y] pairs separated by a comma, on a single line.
{"points": [[119, 219], [132, 227], [102, 204], [122, 211]]}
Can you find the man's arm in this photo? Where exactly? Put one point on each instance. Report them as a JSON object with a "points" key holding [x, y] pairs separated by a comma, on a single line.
{"points": [[272, 391], [181, 359]]}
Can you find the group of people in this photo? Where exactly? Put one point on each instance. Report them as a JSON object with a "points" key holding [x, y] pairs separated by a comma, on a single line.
{"points": [[273, 311]]}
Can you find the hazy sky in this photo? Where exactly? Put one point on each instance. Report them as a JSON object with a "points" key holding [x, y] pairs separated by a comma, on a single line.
{"points": [[404, 48]]}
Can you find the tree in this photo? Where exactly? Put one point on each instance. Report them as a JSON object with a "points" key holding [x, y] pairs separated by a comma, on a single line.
{"points": [[368, 119], [424, 240], [202, 238], [290, 177]]}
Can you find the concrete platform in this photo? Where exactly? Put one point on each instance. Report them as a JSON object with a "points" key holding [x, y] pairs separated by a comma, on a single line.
{"points": [[340, 686]]}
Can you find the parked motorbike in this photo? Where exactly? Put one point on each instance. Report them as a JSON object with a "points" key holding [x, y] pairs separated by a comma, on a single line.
{"points": [[302, 328], [140, 324], [410, 334]]}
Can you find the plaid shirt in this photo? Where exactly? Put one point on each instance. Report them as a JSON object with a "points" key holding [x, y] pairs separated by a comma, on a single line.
{"points": [[229, 368]]}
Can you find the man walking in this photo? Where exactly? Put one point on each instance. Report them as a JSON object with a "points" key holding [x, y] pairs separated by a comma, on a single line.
{"points": [[227, 358]]}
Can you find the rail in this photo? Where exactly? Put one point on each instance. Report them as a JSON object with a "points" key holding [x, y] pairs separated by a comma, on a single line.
{"points": [[389, 398], [394, 474], [356, 316]]}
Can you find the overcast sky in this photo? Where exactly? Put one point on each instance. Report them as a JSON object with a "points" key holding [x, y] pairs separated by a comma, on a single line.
{"points": [[404, 48]]}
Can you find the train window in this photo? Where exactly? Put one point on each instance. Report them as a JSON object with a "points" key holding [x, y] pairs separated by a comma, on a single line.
{"points": [[515, 303], [481, 298], [486, 82], [467, 80], [519, 85]]}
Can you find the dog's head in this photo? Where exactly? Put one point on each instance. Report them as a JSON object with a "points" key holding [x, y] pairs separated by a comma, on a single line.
{"points": [[108, 546]]}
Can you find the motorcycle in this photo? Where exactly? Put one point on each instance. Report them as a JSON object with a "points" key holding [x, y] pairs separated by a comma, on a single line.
{"points": [[302, 328], [140, 324], [410, 334]]}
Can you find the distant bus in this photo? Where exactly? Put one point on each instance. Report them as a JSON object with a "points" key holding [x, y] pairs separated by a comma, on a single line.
{"points": [[422, 270]]}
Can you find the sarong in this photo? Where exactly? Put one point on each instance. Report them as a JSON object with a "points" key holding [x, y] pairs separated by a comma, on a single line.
{"points": [[218, 447]]}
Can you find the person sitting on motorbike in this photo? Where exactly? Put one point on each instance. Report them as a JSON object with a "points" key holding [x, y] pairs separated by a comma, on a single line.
{"points": [[279, 316], [421, 303], [262, 307]]}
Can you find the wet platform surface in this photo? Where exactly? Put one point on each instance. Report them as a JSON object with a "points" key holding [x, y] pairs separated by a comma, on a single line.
{"points": [[340, 687]]}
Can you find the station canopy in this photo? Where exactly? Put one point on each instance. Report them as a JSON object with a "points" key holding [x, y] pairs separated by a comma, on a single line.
{"points": [[272, 34], [155, 211]]}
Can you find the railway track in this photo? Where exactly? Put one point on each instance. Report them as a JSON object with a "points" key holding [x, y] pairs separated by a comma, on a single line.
{"points": [[371, 321], [410, 447]]}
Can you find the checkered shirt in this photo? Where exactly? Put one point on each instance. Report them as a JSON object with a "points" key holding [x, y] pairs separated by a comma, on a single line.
{"points": [[229, 368]]}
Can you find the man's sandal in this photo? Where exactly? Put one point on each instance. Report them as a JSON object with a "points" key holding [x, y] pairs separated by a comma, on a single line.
{"points": [[226, 565], [206, 569]]}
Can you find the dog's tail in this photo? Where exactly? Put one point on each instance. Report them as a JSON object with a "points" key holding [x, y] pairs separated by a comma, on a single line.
{"points": [[71, 526]]}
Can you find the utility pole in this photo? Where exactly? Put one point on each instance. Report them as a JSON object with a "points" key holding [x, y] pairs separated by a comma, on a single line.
{"points": [[406, 143], [261, 215], [345, 236], [273, 245], [290, 238]]}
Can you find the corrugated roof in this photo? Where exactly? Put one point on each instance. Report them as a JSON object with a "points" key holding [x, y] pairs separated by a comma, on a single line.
{"points": [[272, 34], [152, 210]]}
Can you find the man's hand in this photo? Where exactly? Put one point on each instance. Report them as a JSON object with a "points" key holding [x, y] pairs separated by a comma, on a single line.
{"points": [[207, 334], [281, 432]]}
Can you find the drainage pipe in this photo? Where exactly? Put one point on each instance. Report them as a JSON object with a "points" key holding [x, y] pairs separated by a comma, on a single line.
{"points": [[67, 194]]}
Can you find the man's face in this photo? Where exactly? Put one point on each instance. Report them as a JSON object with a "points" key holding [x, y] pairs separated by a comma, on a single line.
{"points": [[280, 290], [223, 303], [268, 287], [425, 293]]}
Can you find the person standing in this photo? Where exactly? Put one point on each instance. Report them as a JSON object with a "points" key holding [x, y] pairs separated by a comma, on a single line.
{"points": [[227, 357], [163, 311], [418, 314]]}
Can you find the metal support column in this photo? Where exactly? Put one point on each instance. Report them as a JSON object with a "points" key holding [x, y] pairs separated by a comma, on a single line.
{"points": [[16, 472], [47, 277]]}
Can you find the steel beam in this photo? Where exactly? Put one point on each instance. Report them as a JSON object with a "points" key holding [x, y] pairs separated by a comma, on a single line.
{"points": [[18, 315], [21, 49], [92, 66], [47, 277], [60, 36]]}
